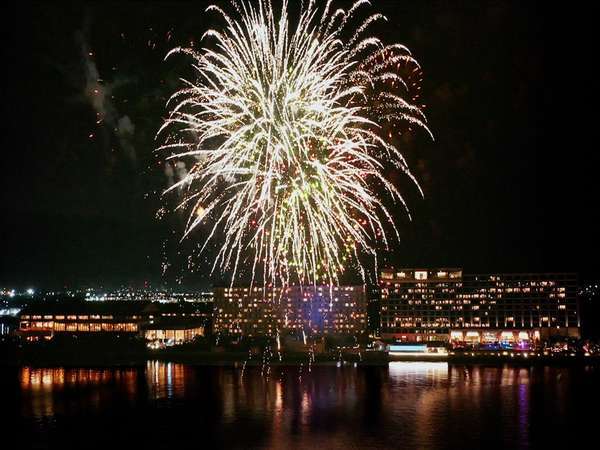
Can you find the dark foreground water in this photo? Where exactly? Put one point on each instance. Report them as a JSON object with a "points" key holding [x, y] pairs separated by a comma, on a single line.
{"points": [[406, 406]]}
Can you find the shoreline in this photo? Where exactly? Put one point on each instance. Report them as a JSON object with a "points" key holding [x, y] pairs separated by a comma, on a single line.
{"points": [[239, 360]]}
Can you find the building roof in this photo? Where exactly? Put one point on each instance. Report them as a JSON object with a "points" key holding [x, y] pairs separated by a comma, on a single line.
{"points": [[172, 323], [113, 307], [83, 307]]}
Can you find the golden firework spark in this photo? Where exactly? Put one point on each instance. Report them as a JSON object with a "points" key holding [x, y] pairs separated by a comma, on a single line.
{"points": [[283, 125]]}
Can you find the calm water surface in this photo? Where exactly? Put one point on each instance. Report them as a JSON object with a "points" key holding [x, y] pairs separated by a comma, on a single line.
{"points": [[405, 406]]}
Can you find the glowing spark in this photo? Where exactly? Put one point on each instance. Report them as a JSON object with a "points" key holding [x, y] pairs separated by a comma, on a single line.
{"points": [[285, 126]]}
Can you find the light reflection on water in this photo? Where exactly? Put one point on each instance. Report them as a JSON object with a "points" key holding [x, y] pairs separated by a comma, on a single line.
{"points": [[165, 380], [408, 405]]}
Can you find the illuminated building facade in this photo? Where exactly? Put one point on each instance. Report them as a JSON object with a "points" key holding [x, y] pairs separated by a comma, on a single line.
{"points": [[264, 312], [172, 332], [244, 311], [374, 310], [419, 305], [44, 320], [323, 309], [444, 304], [517, 307]]}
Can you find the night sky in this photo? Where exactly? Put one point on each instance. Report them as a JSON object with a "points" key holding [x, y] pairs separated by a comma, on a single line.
{"points": [[509, 181]]}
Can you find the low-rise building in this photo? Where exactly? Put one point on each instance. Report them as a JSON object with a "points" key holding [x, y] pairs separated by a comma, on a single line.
{"points": [[173, 332], [49, 318], [46, 319]]}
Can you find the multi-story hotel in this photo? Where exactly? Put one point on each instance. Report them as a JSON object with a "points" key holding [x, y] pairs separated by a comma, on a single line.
{"points": [[323, 309], [419, 305], [266, 311], [526, 306], [445, 304], [244, 311]]}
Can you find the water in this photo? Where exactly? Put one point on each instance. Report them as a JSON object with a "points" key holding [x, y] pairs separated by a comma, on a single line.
{"points": [[406, 406]]}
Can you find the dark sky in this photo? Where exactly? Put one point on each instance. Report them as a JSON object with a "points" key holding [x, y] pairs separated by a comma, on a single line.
{"points": [[509, 180]]}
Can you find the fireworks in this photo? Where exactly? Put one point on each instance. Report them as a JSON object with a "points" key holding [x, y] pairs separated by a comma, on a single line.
{"points": [[284, 127]]}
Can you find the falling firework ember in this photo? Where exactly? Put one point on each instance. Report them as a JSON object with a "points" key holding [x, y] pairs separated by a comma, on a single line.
{"points": [[284, 126]]}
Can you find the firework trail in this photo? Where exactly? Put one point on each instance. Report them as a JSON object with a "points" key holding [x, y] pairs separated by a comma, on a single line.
{"points": [[284, 127]]}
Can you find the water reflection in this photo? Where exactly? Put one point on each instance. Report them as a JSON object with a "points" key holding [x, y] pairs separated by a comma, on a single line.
{"points": [[410, 372], [44, 391], [57, 378], [166, 380], [412, 405]]}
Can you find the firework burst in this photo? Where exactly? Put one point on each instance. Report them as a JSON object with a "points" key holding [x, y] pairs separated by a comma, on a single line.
{"points": [[284, 127]]}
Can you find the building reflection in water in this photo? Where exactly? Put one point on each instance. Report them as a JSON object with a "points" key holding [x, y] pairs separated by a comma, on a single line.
{"points": [[166, 380], [44, 390], [422, 404], [418, 371]]}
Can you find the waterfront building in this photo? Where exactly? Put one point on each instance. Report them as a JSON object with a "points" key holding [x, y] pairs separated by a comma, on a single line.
{"points": [[520, 307], [173, 332], [46, 319], [447, 305], [323, 309], [419, 304], [374, 310], [246, 311], [318, 310]]}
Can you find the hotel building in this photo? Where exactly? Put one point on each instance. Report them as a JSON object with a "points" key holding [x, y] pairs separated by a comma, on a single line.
{"points": [[266, 311], [244, 311], [445, 304], [515, 307], [419, 305]]}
